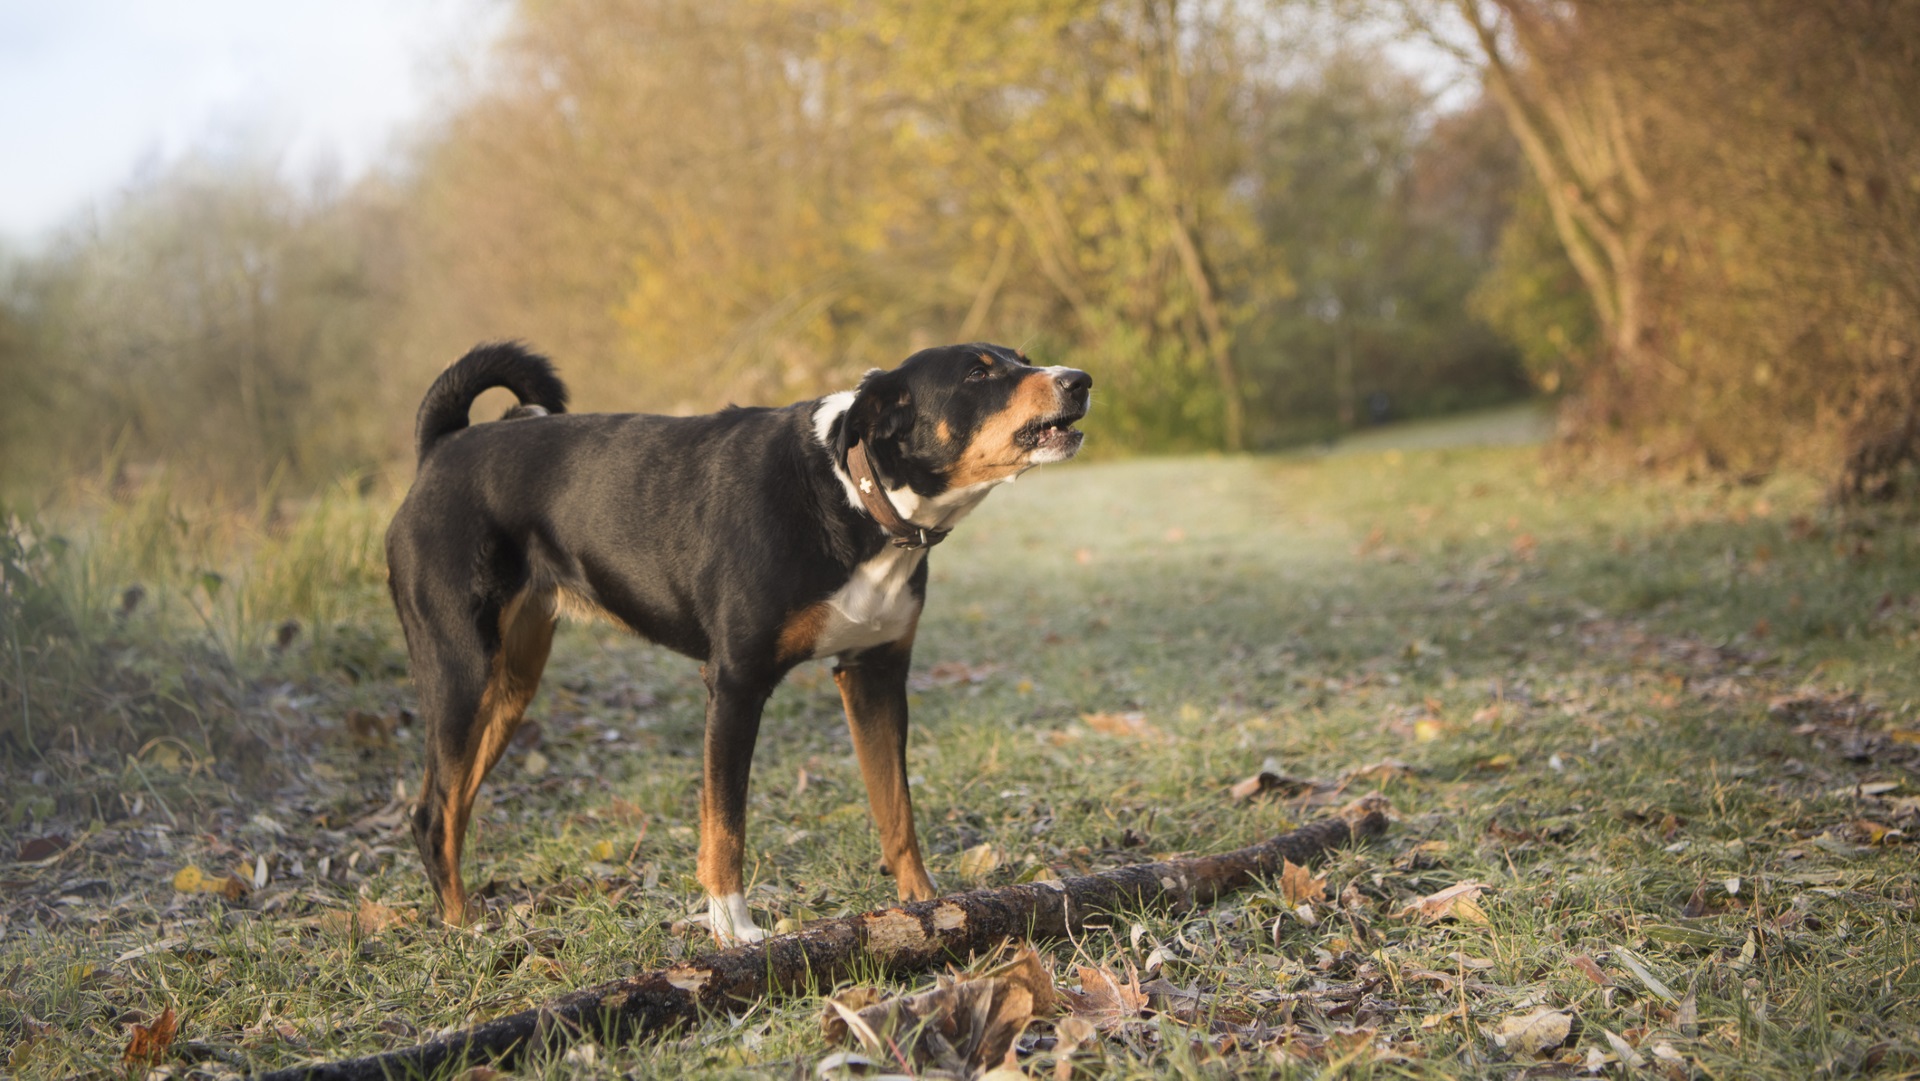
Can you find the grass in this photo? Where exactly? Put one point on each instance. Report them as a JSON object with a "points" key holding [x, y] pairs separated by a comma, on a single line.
{"points": [[1668, 726]]}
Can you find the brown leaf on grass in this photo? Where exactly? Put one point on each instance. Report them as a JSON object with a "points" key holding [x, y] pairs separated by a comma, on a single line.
{"points": [[1104, 1000], [1129, 725], [1535, 1033], [232, 887], [980, 860], [41, 848], [954, 673], [1269, 779], [1591, 970], [1380, 772], [370, 729], [1459, 901], [1298, 886], [373, 918], [148, 1043], [965, 1026], [625, 812], [1699, 903]]}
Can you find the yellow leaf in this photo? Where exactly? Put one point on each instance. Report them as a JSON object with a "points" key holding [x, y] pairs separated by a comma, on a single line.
{"points": [[188, 879], [601, 850], [1469, 910], [1448, 903], [1534, 1033], [1298, 886], [1427, 729], [979, 860]]}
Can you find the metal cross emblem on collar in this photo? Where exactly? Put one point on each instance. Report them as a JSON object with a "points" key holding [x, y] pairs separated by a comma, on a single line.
{"points": [[866, 485]]}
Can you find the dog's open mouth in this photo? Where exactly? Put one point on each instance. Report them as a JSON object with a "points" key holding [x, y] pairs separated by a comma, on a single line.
{"points": [[1056, 433]]}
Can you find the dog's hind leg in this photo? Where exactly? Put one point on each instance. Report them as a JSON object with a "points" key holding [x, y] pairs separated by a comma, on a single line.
{"points": [[733, 726], [873, 685], [472, 701]]}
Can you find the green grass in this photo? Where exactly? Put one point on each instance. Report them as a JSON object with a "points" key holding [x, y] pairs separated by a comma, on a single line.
{"points": [[1570, 683]]}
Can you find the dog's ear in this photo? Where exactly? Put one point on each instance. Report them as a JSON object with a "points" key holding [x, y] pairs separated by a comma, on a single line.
{"points": [[881, 412]]}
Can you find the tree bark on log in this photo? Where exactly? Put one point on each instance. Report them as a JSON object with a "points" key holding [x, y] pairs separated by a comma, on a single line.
{"points": [[904, 938]]}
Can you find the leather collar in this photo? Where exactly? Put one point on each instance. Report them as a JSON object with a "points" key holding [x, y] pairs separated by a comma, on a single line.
{"points": [[872, 496]]}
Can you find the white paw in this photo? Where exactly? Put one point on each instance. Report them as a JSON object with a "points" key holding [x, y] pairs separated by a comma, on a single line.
{"points": [[730, 922]]}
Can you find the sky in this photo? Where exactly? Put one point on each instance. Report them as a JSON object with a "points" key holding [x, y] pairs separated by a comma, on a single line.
{"points": [[92, 92]]}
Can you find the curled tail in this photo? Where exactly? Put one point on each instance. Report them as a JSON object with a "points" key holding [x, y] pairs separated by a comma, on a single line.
{"points": [[498, 364]]}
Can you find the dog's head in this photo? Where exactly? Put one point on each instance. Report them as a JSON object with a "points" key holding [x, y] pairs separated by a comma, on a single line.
{"points": [[963, 415]]}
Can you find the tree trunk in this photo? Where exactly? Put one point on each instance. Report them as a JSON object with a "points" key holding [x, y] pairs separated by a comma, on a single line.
{"points": [[1574, 130], [904, 938]]}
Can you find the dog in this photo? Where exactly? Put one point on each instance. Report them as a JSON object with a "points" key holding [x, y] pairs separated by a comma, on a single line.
{"points": [[752, 540]]}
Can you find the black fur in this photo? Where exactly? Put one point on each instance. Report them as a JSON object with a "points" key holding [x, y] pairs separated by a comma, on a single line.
{"points": [[500, 364], [712, 535]]}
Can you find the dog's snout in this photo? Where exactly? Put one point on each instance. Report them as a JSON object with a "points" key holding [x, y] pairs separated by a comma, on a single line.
{"points": [[1073, 381]]}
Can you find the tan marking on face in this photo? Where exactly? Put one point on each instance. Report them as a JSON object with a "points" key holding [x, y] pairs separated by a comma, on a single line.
{"points": [[988, 359], [799, 633], [944, 431], [992, 455]]}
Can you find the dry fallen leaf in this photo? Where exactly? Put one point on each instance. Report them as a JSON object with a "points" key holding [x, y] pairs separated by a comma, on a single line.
{"points": [[980, 860], [966, 1027], [148, 1043], [372, 917], [1298, 886], [1104, 1000], [41, 848], [1459, 901], [370, 729], [1591, 970], [1534, 1033], [1633, 1059], [1273, 778], [1645, 975], [1439, 1020], [1129, 725]]}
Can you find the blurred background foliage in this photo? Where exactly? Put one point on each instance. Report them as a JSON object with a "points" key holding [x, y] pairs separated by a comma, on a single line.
{"points": [[1692, 224]]}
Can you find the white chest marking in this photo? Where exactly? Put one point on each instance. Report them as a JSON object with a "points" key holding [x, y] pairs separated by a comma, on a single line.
{"points": [[875, 606]]}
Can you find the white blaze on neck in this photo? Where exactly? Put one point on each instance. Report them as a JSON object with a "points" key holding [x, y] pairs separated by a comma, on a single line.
{"points": [[877, 604], [942, 511]]}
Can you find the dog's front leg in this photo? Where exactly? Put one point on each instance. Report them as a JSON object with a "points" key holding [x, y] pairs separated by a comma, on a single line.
{"points": [[873, 685], [733, 724]]}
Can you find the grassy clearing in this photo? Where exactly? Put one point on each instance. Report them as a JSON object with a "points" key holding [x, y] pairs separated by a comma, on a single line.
{"points": [[1672, 727]]}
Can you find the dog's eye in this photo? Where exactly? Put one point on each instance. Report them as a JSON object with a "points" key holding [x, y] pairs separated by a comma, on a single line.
{"points": [[978, 373]]}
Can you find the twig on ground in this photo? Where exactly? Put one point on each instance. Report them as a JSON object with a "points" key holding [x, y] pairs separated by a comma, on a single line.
{"points": [[903, 938]]}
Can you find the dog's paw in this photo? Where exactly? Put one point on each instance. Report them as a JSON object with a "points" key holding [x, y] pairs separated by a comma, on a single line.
{"points": [[730, 922]]}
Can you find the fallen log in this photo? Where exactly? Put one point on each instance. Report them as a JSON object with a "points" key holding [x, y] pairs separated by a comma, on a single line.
{"points": [[904, 938]]}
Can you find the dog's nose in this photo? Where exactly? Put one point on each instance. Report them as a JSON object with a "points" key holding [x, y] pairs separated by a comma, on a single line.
{"points": [[1073, 380]]}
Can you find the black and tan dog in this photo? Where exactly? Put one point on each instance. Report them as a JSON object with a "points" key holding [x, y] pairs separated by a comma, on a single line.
{"points": [[750, 539]]}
